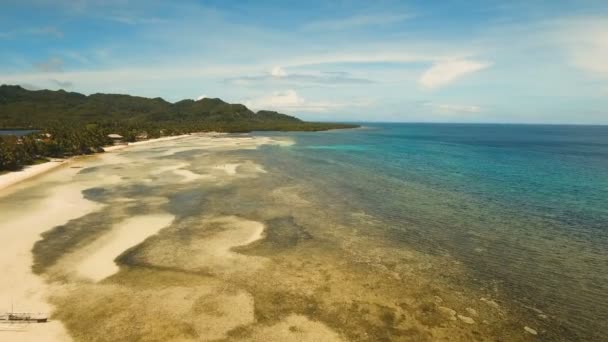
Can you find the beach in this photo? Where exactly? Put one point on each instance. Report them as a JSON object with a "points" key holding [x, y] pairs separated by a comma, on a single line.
{"points": [[28, 172], [281, 236], [32, 171]]}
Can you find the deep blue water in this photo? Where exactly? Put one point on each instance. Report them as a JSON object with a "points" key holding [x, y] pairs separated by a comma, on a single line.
{"points": [[524, 207]]}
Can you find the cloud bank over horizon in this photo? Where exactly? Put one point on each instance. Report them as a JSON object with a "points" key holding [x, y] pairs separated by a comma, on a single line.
{"points": [[474, 61]]}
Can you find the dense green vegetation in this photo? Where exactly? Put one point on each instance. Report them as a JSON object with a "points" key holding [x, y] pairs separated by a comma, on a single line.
{"points": [[72, 123]]}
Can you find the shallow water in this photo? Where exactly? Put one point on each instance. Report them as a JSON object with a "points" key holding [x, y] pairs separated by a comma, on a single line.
{"points": [[523, 208], [393, 232]]}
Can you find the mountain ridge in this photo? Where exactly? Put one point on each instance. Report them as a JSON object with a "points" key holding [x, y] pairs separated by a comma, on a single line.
{"points": [[30, 108]]}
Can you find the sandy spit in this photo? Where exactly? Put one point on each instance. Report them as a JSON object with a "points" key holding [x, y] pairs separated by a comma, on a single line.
{"points": [[98, 263]]}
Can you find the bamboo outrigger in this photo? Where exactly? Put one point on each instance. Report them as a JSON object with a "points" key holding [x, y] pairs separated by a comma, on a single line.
{"points": [[23, 317]]}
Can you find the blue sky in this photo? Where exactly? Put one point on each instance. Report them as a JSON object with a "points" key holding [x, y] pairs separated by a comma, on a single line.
{"points": [[422, 61]]}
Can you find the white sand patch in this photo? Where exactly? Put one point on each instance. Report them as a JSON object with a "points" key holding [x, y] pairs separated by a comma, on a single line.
{"points": [[189, 176], [223, 143], [19, 230], [242, 232], [229, 168], [259, 168], [31, 171], [98, 263], [179, 169], [143, 142], [115, 147], [162, 139], [283, 142]]}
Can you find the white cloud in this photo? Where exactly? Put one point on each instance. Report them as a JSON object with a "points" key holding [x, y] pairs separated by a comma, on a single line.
{"points": [[378, 55], [449, 108], [281, 100], [277, 71], [201, 97], [586, 43], [356, 22], [291, 101], [446, 72]]}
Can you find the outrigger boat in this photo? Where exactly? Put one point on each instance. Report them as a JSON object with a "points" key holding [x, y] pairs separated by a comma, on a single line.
{"points": [[23, 317]]}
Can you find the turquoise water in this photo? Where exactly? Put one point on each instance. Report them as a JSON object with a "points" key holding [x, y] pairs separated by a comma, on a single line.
{"points": [[523, 207]]}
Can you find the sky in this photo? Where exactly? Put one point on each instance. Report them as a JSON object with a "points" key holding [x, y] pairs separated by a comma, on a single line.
{"points": [[514, 61]]}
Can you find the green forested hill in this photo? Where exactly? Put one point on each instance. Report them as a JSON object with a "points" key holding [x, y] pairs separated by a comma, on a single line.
{"points": [[73, 123], [24, 108]]}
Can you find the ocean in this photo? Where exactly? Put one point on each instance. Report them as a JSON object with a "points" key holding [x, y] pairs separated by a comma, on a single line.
{"points": [[524, 208]]}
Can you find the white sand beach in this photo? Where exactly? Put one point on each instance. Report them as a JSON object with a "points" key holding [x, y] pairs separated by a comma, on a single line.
{"points": [[28, 172], [143, 142]]}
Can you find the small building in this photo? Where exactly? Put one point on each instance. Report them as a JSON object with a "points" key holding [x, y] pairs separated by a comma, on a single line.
{"points": [[44, 137], [142, 136], [116, 138]]}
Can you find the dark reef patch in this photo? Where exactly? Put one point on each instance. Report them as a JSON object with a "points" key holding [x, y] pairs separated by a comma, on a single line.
{"points": [[68, 237], [281, 233]]}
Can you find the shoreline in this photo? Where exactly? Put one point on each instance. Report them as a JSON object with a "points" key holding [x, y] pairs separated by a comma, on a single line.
{"points": [[31, 171]]}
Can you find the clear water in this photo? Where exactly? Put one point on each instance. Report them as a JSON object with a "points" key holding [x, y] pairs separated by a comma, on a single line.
{"points": [[523, 207]]}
